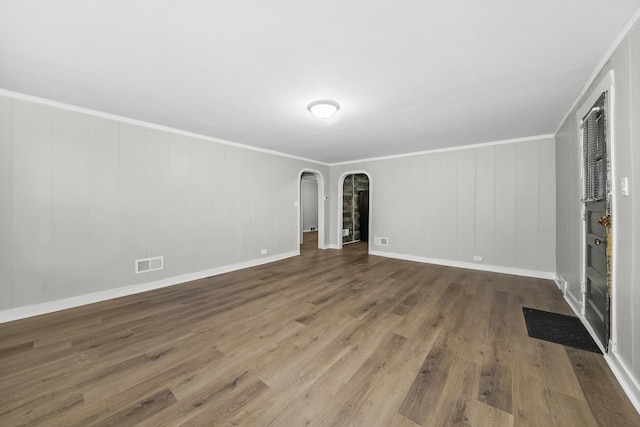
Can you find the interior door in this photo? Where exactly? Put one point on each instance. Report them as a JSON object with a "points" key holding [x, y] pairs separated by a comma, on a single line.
{"points": [[596, 274], [597, 221]]}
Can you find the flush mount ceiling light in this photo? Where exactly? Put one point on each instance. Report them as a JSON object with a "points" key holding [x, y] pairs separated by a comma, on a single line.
{"points": [[323, 109]]}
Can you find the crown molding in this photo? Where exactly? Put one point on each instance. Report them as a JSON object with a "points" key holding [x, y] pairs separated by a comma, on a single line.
{"points": [[444, 150], [613, 48], [121, 119]]}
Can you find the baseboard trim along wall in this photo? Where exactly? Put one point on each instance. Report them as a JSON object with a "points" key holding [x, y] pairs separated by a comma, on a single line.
{"points": [[561, 283], [573, 302], [470, 265], [63, 304], [627, 382], [622, 373]]}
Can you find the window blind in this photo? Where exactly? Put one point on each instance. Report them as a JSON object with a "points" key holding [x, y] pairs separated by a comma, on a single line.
{"points": [[594, 161]]}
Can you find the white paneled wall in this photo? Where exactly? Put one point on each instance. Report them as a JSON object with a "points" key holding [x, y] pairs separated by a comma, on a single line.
{"points": [[157, 203], [494, 201], [466, 205], [528, 232], [70, 227], [504, 224], [32, 204], [546, 205], [132, 165], [102, 189], [6, 296], [634, 94], [179, 207], [448, 220], [82, 197], [433, 188], [485, 203]]}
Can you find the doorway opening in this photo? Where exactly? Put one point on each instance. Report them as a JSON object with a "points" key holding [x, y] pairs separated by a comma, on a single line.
{"points": [[354, 213], [310, 204]]}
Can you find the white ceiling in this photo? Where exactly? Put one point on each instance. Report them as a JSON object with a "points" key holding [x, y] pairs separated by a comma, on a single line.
{"points": [[409, 75]]}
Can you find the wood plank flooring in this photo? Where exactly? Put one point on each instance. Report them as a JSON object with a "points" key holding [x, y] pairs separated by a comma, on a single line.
{"points": [[329, 338]]}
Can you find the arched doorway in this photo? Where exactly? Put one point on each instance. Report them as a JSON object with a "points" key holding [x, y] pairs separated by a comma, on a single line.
{"points": [[354, 210], [303, 181]]}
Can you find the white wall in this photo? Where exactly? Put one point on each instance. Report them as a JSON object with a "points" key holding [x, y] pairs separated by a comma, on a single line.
{"points": [[309, 205], [626, 210], [495, 201], [5, 206], [82, 197]]}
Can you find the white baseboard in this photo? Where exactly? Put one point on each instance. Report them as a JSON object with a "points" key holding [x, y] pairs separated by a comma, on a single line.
{"points": [[561, 283], [574, 303], [622, 373], [620, 370], [469, 265], [66, 303], [333, 247]]}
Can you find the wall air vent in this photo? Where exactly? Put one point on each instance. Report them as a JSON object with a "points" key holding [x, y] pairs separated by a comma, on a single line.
{"points": [[381, 241], [149, 264]]}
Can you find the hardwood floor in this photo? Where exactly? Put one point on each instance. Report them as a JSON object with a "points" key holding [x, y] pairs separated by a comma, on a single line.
{"points": [[329, 338]]}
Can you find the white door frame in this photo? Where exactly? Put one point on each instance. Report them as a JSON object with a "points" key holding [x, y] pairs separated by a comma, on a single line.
{"points": [[321, 201], [340, 205]]}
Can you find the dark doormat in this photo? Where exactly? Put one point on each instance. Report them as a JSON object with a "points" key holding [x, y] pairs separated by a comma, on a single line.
{"points": [[558, 328]]}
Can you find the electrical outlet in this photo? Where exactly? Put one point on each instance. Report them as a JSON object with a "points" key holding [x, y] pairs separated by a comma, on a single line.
{"points": [[625, 186], [477, 258], [263, 252]]}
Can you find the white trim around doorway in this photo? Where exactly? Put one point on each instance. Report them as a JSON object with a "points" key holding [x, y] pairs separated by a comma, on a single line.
{"points": [[322, 198], [340, 206]]}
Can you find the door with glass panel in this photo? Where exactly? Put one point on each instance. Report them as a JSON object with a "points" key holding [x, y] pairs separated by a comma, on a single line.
{"points": [[597, 219]]}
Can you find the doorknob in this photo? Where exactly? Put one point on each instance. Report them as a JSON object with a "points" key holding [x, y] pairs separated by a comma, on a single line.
{"points": [[605, 221], [598, 242]]}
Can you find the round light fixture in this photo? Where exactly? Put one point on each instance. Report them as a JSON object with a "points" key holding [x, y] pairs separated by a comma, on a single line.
{"points": [[323, 109]]}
